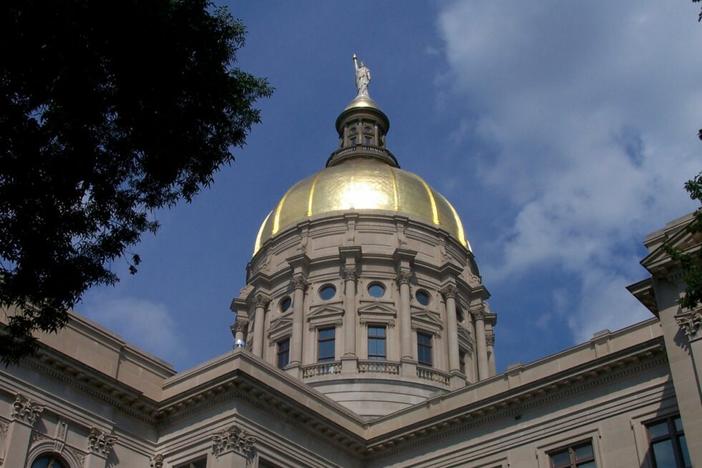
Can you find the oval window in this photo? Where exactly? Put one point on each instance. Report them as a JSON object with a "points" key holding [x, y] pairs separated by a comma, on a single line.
{"points": [[376, 290], [327, 291], [49, 461], [422, 297], [285, 303]]}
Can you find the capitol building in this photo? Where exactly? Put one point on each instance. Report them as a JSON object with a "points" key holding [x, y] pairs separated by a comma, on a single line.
{"points": [[364, 337]]}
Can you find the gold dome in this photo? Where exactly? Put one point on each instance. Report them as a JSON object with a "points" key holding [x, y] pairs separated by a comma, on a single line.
{"points": [[362, 184]]}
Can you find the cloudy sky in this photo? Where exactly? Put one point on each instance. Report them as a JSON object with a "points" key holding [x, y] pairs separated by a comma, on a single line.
{"points": [[562, 132]]}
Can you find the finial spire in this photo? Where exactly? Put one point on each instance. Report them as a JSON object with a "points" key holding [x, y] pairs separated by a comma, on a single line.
{"points": [[363, 76]]}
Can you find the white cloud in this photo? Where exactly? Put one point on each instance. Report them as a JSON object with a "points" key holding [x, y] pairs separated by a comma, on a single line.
{"points": [[143, 323], [590, 110]]}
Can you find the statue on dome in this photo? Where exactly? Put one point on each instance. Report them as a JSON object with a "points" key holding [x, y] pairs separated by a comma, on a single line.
{"points": [[363, 76]]}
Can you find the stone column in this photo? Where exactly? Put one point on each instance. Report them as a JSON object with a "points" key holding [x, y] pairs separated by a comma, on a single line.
{"points": [[350, 257], [299, 284], [19, 431], [449, 293], [262, 302], [403, 279], [232, 448], [490, 342], [351, 321], [100, 446], [481, 343]]}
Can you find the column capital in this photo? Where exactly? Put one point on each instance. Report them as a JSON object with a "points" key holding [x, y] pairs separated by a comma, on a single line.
{"points": [[449, 291], [299, 281], [490, 337], [349, 274], [100, 442], [233, 439], [262, 299], [404, 276], [689, 321], [25, 410], [240, 325], [156, 461]]}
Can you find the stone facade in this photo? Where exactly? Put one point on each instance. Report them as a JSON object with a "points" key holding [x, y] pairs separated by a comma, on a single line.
{"points": [[363, 338]]}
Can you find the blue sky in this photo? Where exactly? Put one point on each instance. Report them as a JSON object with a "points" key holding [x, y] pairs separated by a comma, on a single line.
{"points": [[562, 132]]}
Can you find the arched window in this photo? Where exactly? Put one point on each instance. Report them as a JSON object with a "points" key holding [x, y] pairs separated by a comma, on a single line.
{"points": [[49, 460]]}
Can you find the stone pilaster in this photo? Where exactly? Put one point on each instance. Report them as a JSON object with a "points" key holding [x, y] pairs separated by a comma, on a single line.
{"points": [[100, 445], [490, 343], [25, 413], [262, 301], [233, 448], [478, 314], [350, 257]]}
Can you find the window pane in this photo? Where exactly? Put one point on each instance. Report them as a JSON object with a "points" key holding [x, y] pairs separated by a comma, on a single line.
{"points": [[685, 453], [663, 454], [327, 292], [560, 459], [422, 297], [326, 350], [583, 452], [376, 290], [376, 332], [678, 424], [326, 333], [658, 429], [590, 464]]}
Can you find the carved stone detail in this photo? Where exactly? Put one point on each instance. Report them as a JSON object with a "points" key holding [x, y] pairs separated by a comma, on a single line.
{"points": [[240, 325], [233, 439], [100, 442], [23, 409], [449, 291], [490, 337], [690, 322], [156, 461], [299, 282], [349, 274], [262, 300], [404, 276]]}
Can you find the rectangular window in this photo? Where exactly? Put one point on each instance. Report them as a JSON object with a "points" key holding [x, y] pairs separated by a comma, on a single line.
{"points": [[376, 342], [325, 344], [283, 353], [201, 463], [667, 444], [424, 355], [578, 455]]}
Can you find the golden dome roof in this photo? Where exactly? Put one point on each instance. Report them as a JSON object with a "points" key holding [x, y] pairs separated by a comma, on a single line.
{"points": [[362, 184], [362, 175]]}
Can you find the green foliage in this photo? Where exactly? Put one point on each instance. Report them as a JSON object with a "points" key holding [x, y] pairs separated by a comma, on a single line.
{"points": [[108, 111], [691, 263]]}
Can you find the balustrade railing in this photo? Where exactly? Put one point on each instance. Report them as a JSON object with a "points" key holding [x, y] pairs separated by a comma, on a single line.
{"points": [[427, 373], [379, 367], [321, 368]]}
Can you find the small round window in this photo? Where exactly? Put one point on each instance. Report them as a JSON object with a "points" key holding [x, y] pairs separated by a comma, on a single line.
{"points": [[376, 290], [327, 291], [285, 303], [49, 461], [422, 297]]}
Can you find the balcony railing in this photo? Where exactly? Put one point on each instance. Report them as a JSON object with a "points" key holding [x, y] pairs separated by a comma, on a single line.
{"points": [[321, 368], [379, 367], [427, 373]]}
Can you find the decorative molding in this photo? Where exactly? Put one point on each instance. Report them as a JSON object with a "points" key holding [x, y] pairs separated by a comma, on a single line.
{"points": [[25, 410], [349, 274], [377, 313], [404, 277], [262, 300], [156, 461], [690, 322], [100, 442], [240, 325], [299, 282], [233, 439], [490, 337], [449, 291]]}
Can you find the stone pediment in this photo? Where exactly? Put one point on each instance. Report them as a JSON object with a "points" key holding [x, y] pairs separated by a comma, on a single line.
{"points": [[280, 326], [327, 314], [681, 240], [427, 320], [377, 312]]}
